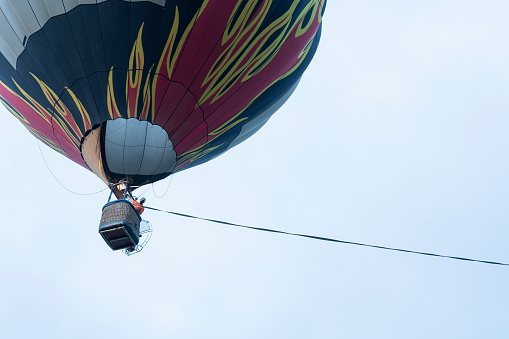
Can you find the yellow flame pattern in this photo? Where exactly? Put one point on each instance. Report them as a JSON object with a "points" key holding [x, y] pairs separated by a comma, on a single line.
{"points": [[61, 118]]}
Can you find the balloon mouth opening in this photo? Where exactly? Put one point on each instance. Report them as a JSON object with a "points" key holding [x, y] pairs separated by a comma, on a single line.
{"points": [[129, 149]]}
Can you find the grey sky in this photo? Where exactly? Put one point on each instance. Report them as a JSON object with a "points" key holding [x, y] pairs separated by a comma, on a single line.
{"points": [[397, 136]]}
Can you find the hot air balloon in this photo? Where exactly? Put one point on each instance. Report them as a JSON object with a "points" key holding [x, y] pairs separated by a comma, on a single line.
{"points": [[137, 90]]}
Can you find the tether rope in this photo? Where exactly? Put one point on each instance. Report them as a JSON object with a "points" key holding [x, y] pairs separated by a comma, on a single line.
{"points": [[332, 240]]}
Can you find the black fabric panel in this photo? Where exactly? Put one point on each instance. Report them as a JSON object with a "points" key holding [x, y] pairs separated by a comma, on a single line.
{"points": [[60, 38], [89, 61], [87, 27], [121, 38], [26, 81], [107, 32], [97, 81]]}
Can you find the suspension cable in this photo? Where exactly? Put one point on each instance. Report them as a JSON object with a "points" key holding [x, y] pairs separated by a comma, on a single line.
{"points": [[54, 176]]}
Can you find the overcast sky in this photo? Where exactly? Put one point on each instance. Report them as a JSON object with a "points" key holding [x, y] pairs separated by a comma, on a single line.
{"points": [[396, 136]]}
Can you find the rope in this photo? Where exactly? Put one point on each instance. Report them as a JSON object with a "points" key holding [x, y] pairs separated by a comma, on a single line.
{"points": [[167, 188], [332, 240], [40, 150]]}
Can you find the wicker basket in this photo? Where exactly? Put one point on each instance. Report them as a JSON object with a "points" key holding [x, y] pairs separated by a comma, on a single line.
{"points": [[120, 225]]}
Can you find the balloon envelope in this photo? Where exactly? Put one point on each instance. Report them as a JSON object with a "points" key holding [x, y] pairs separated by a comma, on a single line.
{"points": [[138, 90]]}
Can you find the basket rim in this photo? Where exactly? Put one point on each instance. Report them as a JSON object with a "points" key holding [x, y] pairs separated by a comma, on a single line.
{"points": [[123, 201]]}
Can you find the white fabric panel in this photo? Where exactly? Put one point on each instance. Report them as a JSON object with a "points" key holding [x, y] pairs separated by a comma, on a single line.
{"points": [[40, 10], [25, 16], [168, 161], [114, 156], [70, 4], [254, 125], [55, 7], [20, 16], [134, 147], [13, 20], [10, 47], [159, 156], [5, 50], [114, 144]]}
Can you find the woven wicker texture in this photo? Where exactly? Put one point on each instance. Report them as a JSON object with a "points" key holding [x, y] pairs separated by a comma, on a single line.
{"points": [[120, 212]]}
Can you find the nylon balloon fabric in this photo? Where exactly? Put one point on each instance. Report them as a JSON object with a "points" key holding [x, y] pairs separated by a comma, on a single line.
{"points": [[138, 90]]}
